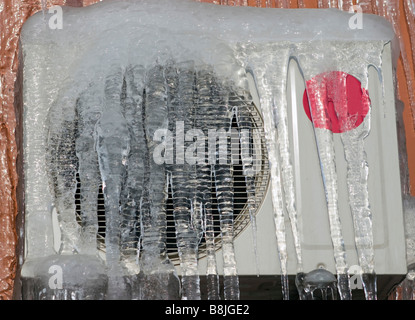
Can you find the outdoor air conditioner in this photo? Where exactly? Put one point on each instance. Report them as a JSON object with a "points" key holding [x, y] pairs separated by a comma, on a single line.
{"points": [[50, 55]]}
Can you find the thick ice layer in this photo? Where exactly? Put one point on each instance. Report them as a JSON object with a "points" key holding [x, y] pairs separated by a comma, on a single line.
{"points": [[130, 63], [226, 22]]}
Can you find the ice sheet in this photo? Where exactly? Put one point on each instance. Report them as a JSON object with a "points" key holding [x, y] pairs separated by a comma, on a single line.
{"points": [[110, 36]]}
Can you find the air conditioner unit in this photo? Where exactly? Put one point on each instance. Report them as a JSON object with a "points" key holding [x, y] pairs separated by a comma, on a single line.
{"points": [[54, 58]]}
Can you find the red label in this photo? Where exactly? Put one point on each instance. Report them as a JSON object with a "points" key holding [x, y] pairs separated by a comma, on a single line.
{"points": [[336, 100]]}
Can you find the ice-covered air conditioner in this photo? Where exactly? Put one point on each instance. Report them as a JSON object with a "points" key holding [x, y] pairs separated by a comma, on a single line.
{"points": [[78, 136]]}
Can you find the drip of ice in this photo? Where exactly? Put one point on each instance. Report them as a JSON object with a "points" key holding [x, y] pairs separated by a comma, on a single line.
{"points": [[212, 276], [266, 83], [112, 140], [160, 278], [62, 171], [206, 109], [278, 85], [357, 182], [316, 92], [88, 110], [318, 284], [184, 183], [222, 173], [326, 154], [132, 104], [241, 104], [287, 172]]}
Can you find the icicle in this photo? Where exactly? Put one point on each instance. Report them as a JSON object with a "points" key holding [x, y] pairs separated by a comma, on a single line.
{"points": [[205, 175], [132, 104], [88, 108], [212, 276], [316, 91], [112, 138], [184, 183], [326, 154], [357, 177], [266, 84], [212, 93], [241, 102], [62, 169], [160, 280], [287, 172], [195, 157]]}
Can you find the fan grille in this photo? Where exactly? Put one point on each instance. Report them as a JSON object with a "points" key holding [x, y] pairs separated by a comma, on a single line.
{"points": [[241, 213]]}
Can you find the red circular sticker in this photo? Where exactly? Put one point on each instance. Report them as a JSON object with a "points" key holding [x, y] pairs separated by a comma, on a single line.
{"points": [[336, 101]]}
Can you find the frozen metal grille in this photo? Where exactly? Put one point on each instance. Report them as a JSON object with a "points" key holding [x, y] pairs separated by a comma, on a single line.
{"points": [[241, 214]]}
